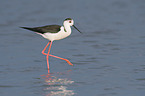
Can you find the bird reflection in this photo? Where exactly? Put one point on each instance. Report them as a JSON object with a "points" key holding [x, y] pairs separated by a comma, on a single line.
{"points": [[57, 85]]}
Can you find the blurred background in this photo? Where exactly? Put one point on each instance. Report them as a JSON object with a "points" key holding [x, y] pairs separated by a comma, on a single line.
{"points": [[108, 58]]}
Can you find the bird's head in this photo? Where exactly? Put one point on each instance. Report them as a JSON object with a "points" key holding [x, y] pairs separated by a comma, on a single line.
{"points": [[70, 22]]}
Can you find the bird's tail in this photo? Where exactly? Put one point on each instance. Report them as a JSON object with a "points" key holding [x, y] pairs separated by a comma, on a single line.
{"points": [[32, 29]]}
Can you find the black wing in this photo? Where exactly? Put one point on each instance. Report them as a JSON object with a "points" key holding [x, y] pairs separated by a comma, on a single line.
{"points": [[45, 29]]}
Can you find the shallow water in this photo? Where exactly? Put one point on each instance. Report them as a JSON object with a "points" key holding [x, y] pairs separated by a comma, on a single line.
{"points": [[108, 58]]}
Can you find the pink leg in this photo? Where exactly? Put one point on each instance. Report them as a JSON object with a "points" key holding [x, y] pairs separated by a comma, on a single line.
{"points": [[62, 59], [47, 56], [45, 48]]}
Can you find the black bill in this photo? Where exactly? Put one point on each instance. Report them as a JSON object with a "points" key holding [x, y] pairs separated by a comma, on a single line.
{"points": [[76, 28]]}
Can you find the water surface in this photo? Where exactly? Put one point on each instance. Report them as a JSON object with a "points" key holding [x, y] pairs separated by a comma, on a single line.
{"points": [[108, 58]]}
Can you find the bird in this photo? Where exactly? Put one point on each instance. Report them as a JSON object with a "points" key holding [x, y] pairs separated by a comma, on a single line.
{"points": [[52, 33]]}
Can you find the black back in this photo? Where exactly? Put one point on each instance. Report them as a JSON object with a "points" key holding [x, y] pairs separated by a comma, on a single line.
{"points": [[45, 29]]}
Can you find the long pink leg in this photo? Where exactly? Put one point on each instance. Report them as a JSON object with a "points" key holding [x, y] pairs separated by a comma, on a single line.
{"points": [[45, 48], [55, 56], [47, 56], [62, 59]]}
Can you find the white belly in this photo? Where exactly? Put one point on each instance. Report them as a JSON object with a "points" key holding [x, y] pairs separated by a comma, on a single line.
{"points": [[56, 36]]}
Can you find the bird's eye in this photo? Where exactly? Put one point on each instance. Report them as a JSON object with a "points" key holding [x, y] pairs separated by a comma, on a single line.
{"points": [[69, 21]]}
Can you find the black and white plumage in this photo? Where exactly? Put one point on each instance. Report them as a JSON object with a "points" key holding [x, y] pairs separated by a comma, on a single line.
{"points": [[45, 29], [54, 32]]}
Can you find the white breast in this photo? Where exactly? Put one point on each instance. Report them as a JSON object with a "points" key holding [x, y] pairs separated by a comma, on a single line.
{"points": [[57, 36]]}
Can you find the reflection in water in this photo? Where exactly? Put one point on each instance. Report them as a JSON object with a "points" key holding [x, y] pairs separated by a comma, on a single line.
{"points": [[56, 86]]}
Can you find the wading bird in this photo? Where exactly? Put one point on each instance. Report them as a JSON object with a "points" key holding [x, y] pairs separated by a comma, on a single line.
{"points": [[54, 32]]}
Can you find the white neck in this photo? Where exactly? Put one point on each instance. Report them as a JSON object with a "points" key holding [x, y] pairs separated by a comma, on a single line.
{"points": [[67, 27]]}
